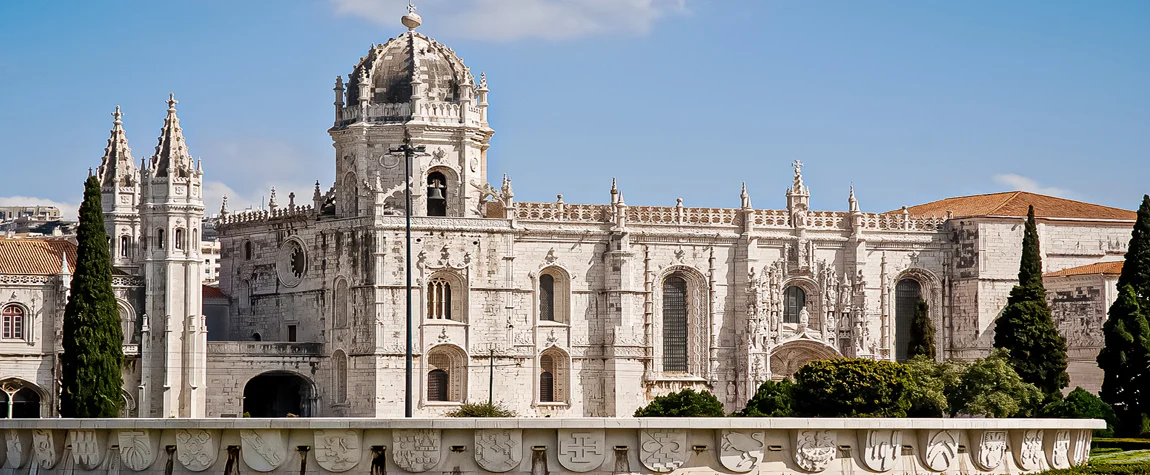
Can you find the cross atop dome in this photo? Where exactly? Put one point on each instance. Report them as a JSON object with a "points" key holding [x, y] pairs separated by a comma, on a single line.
{"points": [[411, 20]]}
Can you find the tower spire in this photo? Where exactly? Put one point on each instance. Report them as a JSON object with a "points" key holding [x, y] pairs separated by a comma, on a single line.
{"points": [[117, 166], [171, 156]]}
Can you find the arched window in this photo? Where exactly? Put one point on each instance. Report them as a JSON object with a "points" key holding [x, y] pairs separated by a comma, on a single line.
{"points": [[446, 374], [437, 385], [13, 316], [794, 301], [256, 336], [546, 379], [179, 238], [127, 323], [125, 241], [159, 239], [341, 304], [675, 324], [247, 250], [547, 297], [339, 376], [439, 299], [907, 294], [436, 194]]}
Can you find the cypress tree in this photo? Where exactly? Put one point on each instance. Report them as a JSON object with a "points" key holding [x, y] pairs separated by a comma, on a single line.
{"points": [[921, 333], [93, 352], [1125, 356], [1026, 328]]}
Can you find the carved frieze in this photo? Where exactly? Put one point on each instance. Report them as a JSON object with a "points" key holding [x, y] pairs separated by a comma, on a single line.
{"points": [[881, 448], [263, 450], [1080, 447], [45, 448], [662, 450], [991, 449], [814, 449], [940, 449], [498, 450], [741, 451], [87, 447], [1060, 449], [1028, 449], [581, 450], [416, 450], [17, 444], [337, 450], [138, 448], [196, 449]]}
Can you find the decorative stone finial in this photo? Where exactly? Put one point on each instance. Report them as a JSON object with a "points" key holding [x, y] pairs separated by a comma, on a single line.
{"points": [[172, 102], [854, 203], [291, 200], [798, 166], [118, 115], [224, 206], [411, 20], [482, 81], [744, 197], [272, 200]]}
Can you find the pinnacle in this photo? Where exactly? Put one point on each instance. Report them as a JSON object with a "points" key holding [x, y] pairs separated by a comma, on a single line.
{"points": [[171, 152], [117, 165]]}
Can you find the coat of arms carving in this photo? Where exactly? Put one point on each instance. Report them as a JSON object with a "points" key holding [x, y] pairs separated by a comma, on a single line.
{"points": [[581, 450], [814, 449], [741, 451], [17, 449], [138, 448], [416, 450], [1060, 450], [196, 449], [1030, 455], [941, 450], [337, 450], [662, 450], [87, 449], [44, 446], [881, 449], [263, 450], [498, 450], [991, 449]]}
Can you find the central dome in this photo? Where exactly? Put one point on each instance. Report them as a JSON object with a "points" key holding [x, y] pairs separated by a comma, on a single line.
{"points": [[390, 68]]}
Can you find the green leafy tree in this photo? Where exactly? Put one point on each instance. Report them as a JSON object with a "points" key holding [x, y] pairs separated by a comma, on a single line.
{"points": [[483, 409], [1125, 356], [921, 333], [92, 339], [991, 387], [851, 388], [772, 399], [685, 403], [1081, 404], [929, 381], [1026, 328]]}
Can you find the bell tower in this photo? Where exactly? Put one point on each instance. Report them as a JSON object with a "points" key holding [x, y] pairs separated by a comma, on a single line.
{"points": [[174, 340], [411, 88], [120, 194]]}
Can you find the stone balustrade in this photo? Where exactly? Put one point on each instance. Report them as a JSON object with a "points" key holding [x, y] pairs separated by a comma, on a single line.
{"points": [[585, 445]]}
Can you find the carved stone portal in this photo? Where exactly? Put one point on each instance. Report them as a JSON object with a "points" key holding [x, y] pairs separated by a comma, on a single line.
{"points": [[741, 451], [498, 450], [416, 450], [263, 450], [940, 450], [881, 449], [581, 450], [196, 449], [662, 450], [337, 450], [814, 449]]}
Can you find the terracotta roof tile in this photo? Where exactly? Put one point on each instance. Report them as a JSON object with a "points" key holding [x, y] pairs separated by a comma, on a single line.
{"points": [[214, 293], [1107, 268], [35, 256], [1014, 203]]}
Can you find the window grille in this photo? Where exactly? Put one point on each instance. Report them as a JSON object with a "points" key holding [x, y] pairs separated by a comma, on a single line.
{"points": [[547, 297], [907, 294], [439, 299], [675, 324], [794, 301]]}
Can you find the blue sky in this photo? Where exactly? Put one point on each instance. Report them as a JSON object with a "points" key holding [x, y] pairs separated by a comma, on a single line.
{"points": [[910, 101]]}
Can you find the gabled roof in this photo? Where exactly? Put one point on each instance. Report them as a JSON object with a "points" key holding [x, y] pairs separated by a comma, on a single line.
{"points": [[1014, 203], [35, 256], [211, 292], [1104, 268]]}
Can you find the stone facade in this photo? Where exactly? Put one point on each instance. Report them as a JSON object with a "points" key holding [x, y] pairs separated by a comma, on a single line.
{"points": [[586, 310], [590, 445]]}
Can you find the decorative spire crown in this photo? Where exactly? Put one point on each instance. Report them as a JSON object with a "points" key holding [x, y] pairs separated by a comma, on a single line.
{"points": [[172, 156], [411, 20], [117, 168], [854, 203]]}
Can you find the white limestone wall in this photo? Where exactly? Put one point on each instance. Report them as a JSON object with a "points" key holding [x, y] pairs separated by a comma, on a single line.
{"points": [[1080, 305], [588, 445]]}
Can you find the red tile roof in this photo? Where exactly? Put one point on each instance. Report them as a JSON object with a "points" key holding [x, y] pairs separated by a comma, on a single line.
{"points": [[1014, 203], [35, 256], [214, 293], [1107, 268]]}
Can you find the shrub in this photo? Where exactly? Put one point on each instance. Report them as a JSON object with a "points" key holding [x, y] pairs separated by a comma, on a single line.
{"points": [[685, 403], [929, 381], [990, 387], [483, 409], [772, 399], [1081, 404], [851, 388]]}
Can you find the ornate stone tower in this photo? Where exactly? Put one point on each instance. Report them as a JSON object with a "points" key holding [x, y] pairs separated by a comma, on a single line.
{"points": [[120, 186], [173, 345], [411, 87]]}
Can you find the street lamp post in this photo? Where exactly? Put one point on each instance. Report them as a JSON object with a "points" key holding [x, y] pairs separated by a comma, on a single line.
{"points": [[409, 151]]}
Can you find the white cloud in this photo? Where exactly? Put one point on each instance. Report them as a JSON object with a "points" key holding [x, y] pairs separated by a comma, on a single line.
{"points": [[504, 20], [1021, 183], [68, 211]]}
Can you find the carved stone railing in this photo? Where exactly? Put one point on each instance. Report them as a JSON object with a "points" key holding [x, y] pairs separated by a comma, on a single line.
{"points": [[900, 222], [378, 113], [521, 446], [265, 348], [26, 279], [255, 216]]}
